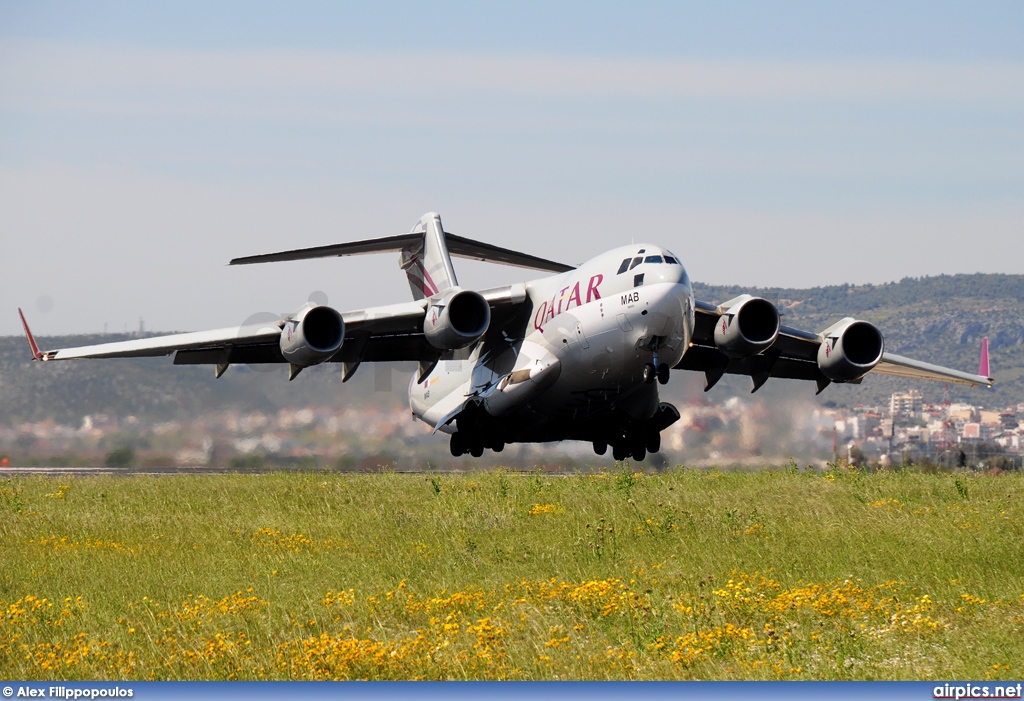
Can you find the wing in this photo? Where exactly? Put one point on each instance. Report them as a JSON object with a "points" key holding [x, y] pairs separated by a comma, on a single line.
{"points": [[900, 366], [794, 355], [248, 340], [377, 334]]}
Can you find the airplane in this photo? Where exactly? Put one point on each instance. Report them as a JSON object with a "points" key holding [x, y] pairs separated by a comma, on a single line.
{"points": [[577, 355]]}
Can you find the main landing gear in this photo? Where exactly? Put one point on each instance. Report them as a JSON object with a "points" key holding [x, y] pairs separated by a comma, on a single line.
{"points": [[634, 445], [635, 439], [474, 445], [476, 431]]}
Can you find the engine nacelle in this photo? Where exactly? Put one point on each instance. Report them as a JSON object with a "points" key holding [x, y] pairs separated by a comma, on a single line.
{"points": [[457, 320], [312, 335], [850, 350], [748, 326]]}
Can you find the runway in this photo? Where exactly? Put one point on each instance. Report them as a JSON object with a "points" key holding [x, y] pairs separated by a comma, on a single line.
{"points": [[6, 472]]}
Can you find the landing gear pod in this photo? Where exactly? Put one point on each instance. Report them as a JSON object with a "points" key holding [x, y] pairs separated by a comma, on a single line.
{"points": [[535, 371], [457, 320], [849, 350], [311, 336]]}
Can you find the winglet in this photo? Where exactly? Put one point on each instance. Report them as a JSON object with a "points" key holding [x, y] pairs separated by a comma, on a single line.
{"points": [[983, 368], [36, 354]]}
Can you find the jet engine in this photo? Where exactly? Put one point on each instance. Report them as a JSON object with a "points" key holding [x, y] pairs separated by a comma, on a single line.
{"points": [[748, 326], [850, 350], [312, 335], [457, 320]]}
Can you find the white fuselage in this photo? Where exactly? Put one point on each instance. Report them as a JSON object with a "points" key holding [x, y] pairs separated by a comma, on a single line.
{"points": [[581, 351]]}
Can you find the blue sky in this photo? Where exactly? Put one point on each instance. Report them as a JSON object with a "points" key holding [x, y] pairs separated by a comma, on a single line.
{"points": [[142, 145]]}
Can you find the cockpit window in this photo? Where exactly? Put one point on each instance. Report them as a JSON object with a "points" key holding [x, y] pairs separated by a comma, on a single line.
{"points": [[630, 263]]}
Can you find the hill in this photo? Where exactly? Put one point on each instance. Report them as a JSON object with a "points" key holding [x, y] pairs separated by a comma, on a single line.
{"points": [[936, 319]]}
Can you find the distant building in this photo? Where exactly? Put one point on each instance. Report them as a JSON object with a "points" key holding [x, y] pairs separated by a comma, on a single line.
{"points": [[905, 403], [886, 427], [990, 418], [961, 412], [918, 435]]}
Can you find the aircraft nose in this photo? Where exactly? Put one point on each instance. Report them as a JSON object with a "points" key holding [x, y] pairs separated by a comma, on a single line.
{"points": [[667, 273]]}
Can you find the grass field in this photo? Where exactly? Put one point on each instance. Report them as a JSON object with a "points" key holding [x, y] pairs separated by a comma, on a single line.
{"points": [[681, 575]]}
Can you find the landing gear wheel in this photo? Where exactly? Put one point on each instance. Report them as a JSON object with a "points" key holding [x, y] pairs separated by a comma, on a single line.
{"points": [[650, 373], [476, 451], [498, 447], [653, 442], [457, 445], [639, 454], [663, 373], [600, 447], [619, 452]]}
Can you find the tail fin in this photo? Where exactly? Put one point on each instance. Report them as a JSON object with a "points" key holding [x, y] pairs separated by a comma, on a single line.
{"points": [[983, 368], [426, 261]]}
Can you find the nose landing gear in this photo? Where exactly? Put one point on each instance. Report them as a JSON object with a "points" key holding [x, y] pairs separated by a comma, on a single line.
{"points": [[656, 371]]}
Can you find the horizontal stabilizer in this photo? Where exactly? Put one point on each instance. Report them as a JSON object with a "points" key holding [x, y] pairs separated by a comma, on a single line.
{"points": [[476, 250], [457, 246], [355, 248]]}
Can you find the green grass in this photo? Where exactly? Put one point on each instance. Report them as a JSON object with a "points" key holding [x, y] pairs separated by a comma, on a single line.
{"points": [[680, 575]]}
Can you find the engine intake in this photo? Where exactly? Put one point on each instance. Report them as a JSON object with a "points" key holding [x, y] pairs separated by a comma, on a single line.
{"points": [[457, 320], [312, 335], [850, 350], [748, 326]]}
